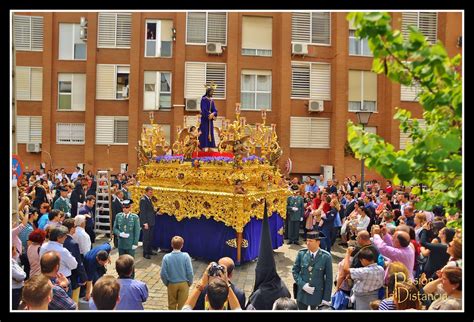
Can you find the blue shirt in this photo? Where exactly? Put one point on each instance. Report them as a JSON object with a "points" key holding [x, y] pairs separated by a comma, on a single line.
{"points": [[43, 221], [310, 188], [90, 262], [176, 268], [24, 234], [133, 294]]}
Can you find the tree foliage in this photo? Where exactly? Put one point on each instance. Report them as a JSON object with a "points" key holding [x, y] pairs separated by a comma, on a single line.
{"points": [[434, 158]]}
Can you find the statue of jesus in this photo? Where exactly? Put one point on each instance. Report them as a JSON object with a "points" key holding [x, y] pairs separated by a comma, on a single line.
{"points": [[208, 115]]}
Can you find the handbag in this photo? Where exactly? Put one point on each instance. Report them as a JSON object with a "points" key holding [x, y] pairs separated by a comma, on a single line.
{"points": [[340, 300]]}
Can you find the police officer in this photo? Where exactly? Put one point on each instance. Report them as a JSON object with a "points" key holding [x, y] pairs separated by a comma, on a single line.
{"points": [[312, 272], [127, 228], [62, 203], [294, 212]]}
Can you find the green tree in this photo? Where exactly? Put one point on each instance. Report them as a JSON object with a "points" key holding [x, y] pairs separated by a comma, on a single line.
{"points": [[434, 158]]}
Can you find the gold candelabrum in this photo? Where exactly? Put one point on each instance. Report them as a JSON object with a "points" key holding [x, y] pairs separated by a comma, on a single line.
{"points": [[152, 142]]}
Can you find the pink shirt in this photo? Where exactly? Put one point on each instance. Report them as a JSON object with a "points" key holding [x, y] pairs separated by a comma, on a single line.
{"points": [[15, 239], [406, 255], [34, 259]]}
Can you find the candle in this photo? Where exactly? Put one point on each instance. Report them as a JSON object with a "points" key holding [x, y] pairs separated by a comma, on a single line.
{"points": [[273, 128], [264, 114], [237, 108], [178, 128], [242, 121]]}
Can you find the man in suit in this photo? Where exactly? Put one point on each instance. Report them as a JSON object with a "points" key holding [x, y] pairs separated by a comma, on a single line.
{"points": [[295, 212], [127, 227], [147, 221], [312, 272], [116, 209], [229, 263], [78, 275]]}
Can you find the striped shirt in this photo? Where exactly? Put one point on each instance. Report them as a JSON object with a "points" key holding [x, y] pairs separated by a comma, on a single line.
{"points": [[387, 305], [367, 279], [60, 300], [24, 234]]}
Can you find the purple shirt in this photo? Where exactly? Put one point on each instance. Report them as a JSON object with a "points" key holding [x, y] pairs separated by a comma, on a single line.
{"points": [[406, 255]]}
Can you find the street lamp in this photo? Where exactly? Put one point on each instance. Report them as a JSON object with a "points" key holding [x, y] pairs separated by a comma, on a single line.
{"points": [[363, 117]]}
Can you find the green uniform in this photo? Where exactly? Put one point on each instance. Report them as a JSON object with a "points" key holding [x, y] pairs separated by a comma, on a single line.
{"points": [[63, 204], [317, 273], [294, 217], [131, 226]]}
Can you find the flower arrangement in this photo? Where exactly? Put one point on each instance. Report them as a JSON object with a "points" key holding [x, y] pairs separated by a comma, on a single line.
{"points": [[254, 159], [169, 158]]}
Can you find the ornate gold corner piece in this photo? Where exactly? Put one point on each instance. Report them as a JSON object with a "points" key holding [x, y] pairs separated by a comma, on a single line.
{"points": [[280, 231], [233, 243]]}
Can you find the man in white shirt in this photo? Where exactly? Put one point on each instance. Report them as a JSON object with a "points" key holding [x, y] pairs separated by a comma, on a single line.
{"points": [[75, 174], [57, 236], [80, 236]]}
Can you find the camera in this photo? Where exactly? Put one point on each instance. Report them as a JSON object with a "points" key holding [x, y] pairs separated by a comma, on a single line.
{"points": [[215, 269]]}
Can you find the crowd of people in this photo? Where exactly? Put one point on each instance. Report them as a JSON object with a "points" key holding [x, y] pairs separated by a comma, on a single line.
{"points": [[398, 257]]}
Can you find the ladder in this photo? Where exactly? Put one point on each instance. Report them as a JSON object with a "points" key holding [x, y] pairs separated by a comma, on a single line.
{"points": [[103, 214]]}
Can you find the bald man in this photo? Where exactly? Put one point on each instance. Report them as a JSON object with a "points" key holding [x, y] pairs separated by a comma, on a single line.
{"points": [[363, 242], [400, 250], [229, 264]]}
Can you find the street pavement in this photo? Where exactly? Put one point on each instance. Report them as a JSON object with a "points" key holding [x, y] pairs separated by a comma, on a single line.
{"points": [[148, 271]]}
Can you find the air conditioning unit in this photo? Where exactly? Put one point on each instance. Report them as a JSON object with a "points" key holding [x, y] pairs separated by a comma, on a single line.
{"points": [[33, 147], [192, 104], [83, 34], [299, 49], [315, 106], [214, 48]]}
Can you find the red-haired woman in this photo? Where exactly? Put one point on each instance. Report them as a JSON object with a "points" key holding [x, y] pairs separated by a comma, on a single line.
{"points": [[35, 240]]}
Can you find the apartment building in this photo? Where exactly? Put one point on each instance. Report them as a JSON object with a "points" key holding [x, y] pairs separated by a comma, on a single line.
{"points": [[85, 82]]}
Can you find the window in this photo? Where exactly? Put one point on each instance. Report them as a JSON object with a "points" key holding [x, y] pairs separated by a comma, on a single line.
{"points": [[28, 129], [257, 36], [28, 33], [70, 133], [256, 90], [72, 92], [357, 46], [115, 30], [410, 93], [311, 81], [159, 38], [426, 22], [71, 46], [206, 27], [311, 28], [405, 138], [29, 83], [362, 91], [157, 90], [166, 131], [310, 132], [199, 74], [111, 130], [370, 129], [112, 82]]}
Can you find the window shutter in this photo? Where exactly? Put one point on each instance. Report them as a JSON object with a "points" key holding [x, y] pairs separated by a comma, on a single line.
{"points": [[321, 28], [320, 130], [300, 27], [408, 19], [36, 84], [22, 129], [107, 31], [428, 24], [37, 33], [195, 79], [121, 130], [321, 81], [150, 96], [300, 130], [79, 92], [63, 133], [106, 82], [217, 27], [257, 32], [355, 88], [300, 80], [22, 27], [216, 73], [35, 129], [78, 133], [66, 38], [22, 79], [409, 93], [124, 30], [196, 28], [370, 86], [104, 130]]}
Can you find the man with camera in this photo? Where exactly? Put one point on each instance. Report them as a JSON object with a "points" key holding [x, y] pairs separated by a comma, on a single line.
{"points": [[229, 264], [219, 295], [312, 272]]}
